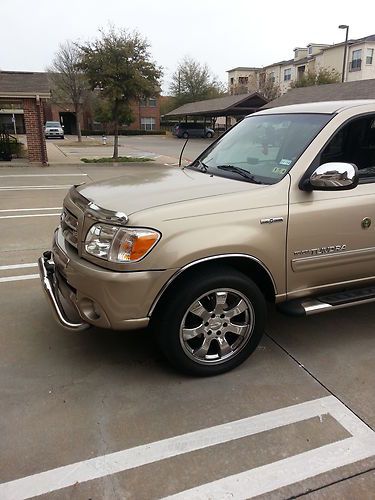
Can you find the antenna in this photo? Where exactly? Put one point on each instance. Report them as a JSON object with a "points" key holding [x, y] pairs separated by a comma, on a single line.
{"points": [[182, 150]]}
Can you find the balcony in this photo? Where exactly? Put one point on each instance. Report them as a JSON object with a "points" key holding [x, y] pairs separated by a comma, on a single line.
{"points": [[355, 65]]}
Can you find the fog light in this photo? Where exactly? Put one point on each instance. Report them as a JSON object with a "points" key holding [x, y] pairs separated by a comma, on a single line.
{"points": [[89, 309]]}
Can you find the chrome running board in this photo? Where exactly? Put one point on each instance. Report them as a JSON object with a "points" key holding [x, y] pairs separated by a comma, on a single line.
{"points": [[331, 302]]}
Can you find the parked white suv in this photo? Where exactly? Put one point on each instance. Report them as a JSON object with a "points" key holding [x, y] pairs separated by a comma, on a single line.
{"points": [[53, 129]]}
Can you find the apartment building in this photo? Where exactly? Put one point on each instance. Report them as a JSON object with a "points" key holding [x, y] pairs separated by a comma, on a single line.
{"points": [[243, 80], [359, 65]]}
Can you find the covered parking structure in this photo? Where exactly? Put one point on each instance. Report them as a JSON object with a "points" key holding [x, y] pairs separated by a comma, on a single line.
{"points": [[236, 106]]}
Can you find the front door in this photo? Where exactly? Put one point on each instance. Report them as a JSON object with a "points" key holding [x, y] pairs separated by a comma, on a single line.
{"points": [[331, 234]]}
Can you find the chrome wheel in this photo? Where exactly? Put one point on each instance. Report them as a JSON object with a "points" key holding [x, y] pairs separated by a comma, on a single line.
{"points": [[217, 326]]}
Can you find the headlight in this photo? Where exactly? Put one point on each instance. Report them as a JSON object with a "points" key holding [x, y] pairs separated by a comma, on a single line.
{"points": [[119, 244]]}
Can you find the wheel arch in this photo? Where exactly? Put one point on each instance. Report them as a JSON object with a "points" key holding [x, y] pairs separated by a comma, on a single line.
{"points": [[250, 266]]}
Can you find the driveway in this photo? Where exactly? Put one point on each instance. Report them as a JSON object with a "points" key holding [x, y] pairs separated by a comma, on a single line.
{"points": [[163, 149]]}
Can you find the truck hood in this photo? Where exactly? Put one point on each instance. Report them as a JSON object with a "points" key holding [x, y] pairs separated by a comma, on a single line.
{"points": [[145, 187]]}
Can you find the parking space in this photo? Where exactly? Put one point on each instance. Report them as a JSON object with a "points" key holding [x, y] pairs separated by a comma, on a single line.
{"points": [[99, 414], [165, 149]]}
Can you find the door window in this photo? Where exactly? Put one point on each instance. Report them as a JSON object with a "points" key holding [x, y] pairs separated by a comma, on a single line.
{"points": [[354, 143]]}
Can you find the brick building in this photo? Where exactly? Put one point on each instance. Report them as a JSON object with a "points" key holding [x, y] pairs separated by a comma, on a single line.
{"points": [[22, 99], [146, 115]]}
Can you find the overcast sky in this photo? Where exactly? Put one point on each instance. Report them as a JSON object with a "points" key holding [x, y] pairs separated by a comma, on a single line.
{"points": [[222, 33]]}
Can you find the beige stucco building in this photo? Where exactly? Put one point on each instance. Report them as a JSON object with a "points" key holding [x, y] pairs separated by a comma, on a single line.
{"points": [[359, 65]]}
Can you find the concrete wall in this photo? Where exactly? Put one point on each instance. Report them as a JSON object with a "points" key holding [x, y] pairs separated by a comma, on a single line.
{"points": [[237, 87], [331, 58], [367, 70]]}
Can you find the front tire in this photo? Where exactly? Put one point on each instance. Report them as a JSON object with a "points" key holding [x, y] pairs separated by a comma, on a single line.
{"points": [[185, 135], [212, 322]]}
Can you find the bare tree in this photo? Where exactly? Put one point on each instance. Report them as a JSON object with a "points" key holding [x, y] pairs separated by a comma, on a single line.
{"points": [[69, 84], [268, 87], [192, 81]]}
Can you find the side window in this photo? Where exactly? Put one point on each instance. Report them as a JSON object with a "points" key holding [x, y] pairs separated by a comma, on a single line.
{"points": [[354, 143]]}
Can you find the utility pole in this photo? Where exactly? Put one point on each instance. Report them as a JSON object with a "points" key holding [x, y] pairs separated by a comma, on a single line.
{"points": [[344, 27]]}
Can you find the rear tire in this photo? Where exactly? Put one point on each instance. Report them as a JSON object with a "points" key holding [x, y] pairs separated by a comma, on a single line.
{"points": [[212, 322], [209, 135]]}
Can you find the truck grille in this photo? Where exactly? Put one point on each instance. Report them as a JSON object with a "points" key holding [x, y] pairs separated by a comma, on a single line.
{"points": [[69, 226]]}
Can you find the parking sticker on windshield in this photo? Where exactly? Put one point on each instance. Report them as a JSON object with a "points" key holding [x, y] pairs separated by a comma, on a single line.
{"points": [[285, 162], [279, 171]]}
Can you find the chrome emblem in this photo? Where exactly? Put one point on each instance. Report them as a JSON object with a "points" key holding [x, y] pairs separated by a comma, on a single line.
{"points": [[271, 220], [366, 223], [321, 250]]}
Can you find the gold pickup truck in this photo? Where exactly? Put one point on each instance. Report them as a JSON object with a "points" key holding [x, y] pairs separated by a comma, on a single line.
{"points": [[280, 208]]}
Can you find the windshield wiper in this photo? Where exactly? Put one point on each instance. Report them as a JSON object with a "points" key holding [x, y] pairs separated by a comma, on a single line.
{"points": [[202, 167], [240, 171]]}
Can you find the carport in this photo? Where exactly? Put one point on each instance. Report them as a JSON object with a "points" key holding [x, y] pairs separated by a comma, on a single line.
{"points": [[22, 95], [236, 106]]}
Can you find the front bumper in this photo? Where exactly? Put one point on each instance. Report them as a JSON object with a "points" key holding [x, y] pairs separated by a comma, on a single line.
{"points": [[96, 296]]}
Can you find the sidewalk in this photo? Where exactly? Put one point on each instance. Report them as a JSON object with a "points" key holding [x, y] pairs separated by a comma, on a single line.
{"points": [[56, 155], [64, 153]]}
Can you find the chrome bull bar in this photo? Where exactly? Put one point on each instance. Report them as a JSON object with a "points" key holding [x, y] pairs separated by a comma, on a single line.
{"points": [[47, 276]]}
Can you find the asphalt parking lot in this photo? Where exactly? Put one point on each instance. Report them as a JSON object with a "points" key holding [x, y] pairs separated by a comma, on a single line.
{"points": [[100, 414]]}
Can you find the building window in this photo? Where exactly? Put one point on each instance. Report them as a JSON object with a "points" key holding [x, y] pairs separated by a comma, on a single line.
{"points": [[287, 74], [150, 102], [300, 72], [309, 50], [242, 80], [148, 123], [369, 56], [232, 81], [272, 77], [356, 62]]}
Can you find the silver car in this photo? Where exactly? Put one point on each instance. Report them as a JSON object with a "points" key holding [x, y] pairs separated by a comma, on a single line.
{"points": [[53, 129]]}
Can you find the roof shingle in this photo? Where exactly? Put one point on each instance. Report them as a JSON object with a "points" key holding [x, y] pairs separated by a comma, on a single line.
{"points": [[23, 82], [219, 104], [362, 89]]}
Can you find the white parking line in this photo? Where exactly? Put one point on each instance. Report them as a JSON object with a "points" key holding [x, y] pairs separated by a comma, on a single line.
{"points": [[258, 480], [33, 188], [29, 209], [44, 175], [28, 215], [18, 266], [273, 476], [19, 278]]}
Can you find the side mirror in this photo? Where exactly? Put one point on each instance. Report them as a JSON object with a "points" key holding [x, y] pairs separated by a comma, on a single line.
{"points": [[333, 176]]}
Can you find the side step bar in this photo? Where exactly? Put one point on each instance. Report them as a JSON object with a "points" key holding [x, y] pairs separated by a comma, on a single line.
{"points": [[331, 302]]}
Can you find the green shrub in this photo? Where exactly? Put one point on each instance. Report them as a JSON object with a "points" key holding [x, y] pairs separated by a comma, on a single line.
{"points": [[120, 159]]}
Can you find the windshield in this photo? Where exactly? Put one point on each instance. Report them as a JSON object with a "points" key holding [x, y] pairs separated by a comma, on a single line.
{"points": [[261, 148], [53, 124]]}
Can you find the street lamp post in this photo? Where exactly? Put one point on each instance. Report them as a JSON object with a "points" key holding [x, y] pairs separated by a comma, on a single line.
{"points": [[344, 27]]}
